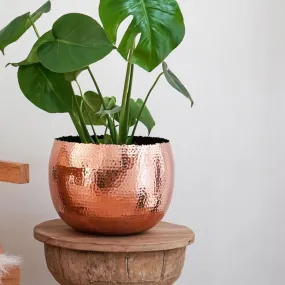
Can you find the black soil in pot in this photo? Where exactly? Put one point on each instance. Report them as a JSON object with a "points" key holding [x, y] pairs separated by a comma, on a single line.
{"points": [[137, 140]]}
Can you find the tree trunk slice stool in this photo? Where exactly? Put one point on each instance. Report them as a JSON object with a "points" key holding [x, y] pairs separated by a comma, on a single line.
{"points": [[155, 257], [13, 173]]}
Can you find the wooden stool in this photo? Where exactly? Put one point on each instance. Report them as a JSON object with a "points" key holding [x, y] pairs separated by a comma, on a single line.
{"points": [[13, 173], [152, 258]]}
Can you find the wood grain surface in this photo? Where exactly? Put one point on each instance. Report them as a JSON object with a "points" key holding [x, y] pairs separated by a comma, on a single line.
{"points": [[12, 277], [164, 236], [14, 172], [72, 267]]}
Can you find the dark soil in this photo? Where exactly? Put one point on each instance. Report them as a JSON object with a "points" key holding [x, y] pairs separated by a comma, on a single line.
{"points": [[137, 140]]}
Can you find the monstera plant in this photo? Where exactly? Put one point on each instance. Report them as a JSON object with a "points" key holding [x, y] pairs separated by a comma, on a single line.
{"points": [[76, 41]]}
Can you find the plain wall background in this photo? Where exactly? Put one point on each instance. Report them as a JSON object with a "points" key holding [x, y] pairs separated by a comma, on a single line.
{"points": [[229, 149]]}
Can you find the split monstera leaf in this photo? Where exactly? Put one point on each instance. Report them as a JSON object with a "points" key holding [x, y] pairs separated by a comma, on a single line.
{"points": [[49, 74]]}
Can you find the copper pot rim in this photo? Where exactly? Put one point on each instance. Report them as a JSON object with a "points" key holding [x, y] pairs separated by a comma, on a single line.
{"points": [[141, 141]]}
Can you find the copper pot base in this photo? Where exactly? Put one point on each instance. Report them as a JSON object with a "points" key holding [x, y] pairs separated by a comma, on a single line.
{"points": [[112, 226]]}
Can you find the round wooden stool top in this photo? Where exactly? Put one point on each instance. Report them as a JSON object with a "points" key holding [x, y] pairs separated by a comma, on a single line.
{"points": [[164, 236]]}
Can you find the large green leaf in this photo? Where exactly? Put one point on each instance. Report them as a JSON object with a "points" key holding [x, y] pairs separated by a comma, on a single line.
{"points": [[160, 24], [33, 55], [145, 117], [176, 83], [16, 28], [47, 90], [78, 42]]}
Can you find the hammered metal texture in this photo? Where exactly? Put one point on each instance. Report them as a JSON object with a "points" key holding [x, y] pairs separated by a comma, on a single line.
{"points": [[111, 189]]}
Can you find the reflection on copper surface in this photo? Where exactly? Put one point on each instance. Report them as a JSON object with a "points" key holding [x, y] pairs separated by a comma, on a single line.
{"points": [[111, 189]]}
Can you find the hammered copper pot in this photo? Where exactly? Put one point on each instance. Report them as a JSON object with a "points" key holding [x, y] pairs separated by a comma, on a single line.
{"points": [[111, 189]]}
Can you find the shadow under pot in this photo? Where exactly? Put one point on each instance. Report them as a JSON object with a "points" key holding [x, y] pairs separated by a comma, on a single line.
{"points": [[111, 189]]}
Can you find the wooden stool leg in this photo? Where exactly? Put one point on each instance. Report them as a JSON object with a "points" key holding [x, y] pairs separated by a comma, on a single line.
{"points": [[72, 267]]}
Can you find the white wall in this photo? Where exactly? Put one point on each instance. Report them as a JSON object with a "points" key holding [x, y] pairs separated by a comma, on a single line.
{"points": [[229, 148]]}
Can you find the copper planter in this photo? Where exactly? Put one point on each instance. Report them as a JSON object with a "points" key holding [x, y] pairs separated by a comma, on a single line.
{"points": [[111, 189]]}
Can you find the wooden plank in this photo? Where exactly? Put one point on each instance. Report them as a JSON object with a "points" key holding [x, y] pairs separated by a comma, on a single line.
{"points": [[12, 277], [164, 236], [14, 172]]}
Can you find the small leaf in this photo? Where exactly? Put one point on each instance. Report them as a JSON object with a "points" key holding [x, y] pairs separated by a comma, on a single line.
{"points": [[16, 28], [93, 100], [113, 111], [176, 83], [94, 103], [145, 117], [79, 41], [88, 113], [33, 55], [110, 102], [45, 89], [107, 139]]}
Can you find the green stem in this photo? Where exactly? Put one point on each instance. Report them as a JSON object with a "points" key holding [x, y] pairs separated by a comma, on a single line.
{"points": [[144, 103], [78, 127], [82, 122], [34, 27], [85, 105], [125, 113], [110, 123]]}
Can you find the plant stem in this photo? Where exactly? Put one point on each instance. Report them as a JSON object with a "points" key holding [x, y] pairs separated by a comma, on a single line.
{"points": [[110, 123], [78, 127], [85, 105], [82, 122], [34, 27], [125, 113], [144, 103]]}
